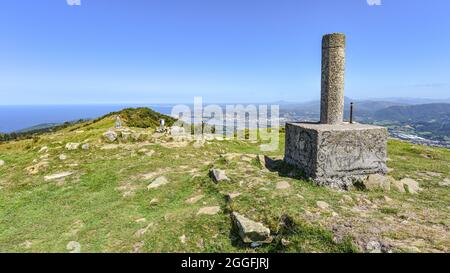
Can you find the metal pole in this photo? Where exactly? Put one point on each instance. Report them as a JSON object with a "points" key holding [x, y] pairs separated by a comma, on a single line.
{"points": [[351, 112]]}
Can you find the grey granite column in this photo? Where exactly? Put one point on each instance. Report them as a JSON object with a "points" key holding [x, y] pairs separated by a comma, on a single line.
{"points": [[333, 70]]}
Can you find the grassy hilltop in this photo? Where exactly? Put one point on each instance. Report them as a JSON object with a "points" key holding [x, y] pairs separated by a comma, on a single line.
{"points": [[101, 201]]}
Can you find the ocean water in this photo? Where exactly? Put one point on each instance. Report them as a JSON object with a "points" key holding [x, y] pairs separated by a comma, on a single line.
{"points": [[14, 118]]}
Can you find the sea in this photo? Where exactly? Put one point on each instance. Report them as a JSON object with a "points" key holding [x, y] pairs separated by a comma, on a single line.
{"points": [[19, 117]]}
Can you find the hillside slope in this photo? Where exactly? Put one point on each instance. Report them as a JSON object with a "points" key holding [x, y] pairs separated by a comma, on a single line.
{"points": [[98, 199]]}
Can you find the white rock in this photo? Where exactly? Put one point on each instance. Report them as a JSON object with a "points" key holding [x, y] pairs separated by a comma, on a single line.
{"points": [[43, 149], [183, 239], [2, 162], [57, 176], [377, 182], [62, 157], [85, 146], [74, 247], [209, 210], [158, 182], [72, 146]]}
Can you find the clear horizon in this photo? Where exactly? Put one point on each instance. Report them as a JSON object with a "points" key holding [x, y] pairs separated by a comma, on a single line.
{"points": [[167, 52]]}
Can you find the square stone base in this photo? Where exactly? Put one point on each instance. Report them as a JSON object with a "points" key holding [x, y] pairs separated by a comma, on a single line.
{"points": [[336, 155]]}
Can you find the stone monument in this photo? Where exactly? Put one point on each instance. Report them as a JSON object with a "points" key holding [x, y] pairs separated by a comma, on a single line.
{"points": [[118, 123], [333, 152]]}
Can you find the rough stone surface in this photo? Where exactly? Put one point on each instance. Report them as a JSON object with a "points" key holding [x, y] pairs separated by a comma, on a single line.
{"points": [[336, 155], [158, 182], [72, 146], [398, 186], [111, 136], [251, 231], [209, 210], [218, 175], [378, 182], [57, 176], [333, 74], [412, 186]]}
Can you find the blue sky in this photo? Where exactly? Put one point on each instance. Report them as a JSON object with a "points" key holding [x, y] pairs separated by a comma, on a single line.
{"points": [[156, 51]]}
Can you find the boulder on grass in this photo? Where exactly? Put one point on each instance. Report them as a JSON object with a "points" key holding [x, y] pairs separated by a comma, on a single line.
{"points": [[251, 231], [218, 175]]}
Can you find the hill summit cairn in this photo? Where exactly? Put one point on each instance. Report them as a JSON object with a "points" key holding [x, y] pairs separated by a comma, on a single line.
{"points": [[333, 152]]}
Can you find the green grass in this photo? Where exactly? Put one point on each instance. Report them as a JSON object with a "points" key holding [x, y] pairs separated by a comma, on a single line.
{"points": [[101, 204]]}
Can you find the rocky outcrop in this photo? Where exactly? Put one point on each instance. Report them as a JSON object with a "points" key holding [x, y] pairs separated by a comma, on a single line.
{"points": [[251, 231]]}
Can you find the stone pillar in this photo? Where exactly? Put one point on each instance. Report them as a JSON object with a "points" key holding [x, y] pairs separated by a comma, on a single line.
{"points": [[333, 70]]}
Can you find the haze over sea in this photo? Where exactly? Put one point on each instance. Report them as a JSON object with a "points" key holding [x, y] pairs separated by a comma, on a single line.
{"points": [[14, 118]]}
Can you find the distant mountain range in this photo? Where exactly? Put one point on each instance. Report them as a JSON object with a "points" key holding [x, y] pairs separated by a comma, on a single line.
{"points": [[429, 120]]}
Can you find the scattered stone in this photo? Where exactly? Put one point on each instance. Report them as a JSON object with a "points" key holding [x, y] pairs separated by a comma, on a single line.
{"points": [[232, 195], [154, 201], [373, 247], [150, 153], [183, 239], [322, 205], [111, 136], [444, 183], [251, 231], [412, 186], [162, 180], [137, 247], [195, 199], [377, 181], [43, 149], [2, 162], [209, 210], [141, 220], [285, 242], [142, 231], [72, 146], [62, 157], [85, 146], [398, 186], [283, 185], [218, 175], [387, 199], [27, 244], [32, 170], [57, 176], [74, 247]]}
